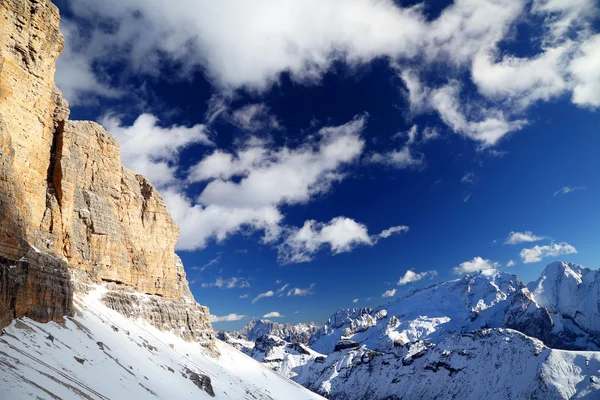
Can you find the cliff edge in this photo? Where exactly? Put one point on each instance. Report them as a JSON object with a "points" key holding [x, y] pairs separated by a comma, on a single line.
{"points": [[72, 215]]}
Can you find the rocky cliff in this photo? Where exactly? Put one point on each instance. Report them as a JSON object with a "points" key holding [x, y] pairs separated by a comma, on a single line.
{"points": [[67, 203]]}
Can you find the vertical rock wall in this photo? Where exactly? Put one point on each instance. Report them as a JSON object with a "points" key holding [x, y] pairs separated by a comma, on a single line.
{"points": [[64, 191]]}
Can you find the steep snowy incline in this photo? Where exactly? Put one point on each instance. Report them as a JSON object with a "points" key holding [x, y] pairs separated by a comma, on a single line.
{"points": [[571, 293], [100, 354]]}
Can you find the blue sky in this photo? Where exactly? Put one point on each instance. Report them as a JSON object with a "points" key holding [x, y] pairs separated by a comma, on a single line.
{"points": [[317, 151]]}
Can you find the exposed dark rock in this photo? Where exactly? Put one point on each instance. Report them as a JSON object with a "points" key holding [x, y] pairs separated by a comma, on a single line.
{"points": [[202, 381], [37, 286], [346, 344]]}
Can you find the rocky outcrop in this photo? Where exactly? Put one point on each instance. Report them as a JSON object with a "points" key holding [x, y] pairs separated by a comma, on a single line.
{"points": [[37, 286], [64, 191], [186, 317]]}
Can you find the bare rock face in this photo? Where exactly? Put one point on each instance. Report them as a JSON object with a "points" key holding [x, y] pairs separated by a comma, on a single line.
{"points": [[37, 286], [64, 191]]}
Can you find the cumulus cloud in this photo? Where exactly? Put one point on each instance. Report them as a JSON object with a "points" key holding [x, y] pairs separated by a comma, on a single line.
{"points": [[475, 265], [273, 314], [536, 253], [228, 283], [244, 296], [584, 69], [389, 293], [306, 38], [522, 80], [568, 189], [151, 150], [269, 293], [341, 235], [511, 263], [246, 188], [522, 237], [355, 301], [227, 318], [411, 276]]}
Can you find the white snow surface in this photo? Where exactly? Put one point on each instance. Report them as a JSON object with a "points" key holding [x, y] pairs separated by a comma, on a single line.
{"points": [[100, 354], [492, 364], [572, 295]]}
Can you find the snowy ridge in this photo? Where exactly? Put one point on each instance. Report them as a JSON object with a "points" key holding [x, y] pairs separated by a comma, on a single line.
{"points": [[498, 364], [299, 333], [100, 354], [571, 294], [481, 336]]}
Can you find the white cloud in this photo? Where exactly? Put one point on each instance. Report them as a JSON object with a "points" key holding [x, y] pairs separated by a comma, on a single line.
{"points": [[152, 150], [511, 263], [246, 189], [255, 117], [227, 318], [468, 177], [282, 289], [411, 276], [568, 189], [355, 301], [341, 235], [212, 262], [563, 16], [522, 237], [74, 73], [536, 253], [269, 293], [244, 296], [389, 293], [475, 265], [403, 158], [584, 69], [305, 38], [228, 283], [522, 80], [273, 314], [302, 292], [386, 233], [487, 126], [289, 176]]}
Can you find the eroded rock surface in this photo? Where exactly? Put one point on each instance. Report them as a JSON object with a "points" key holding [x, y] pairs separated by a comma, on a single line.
{"points": [[64, 191]]}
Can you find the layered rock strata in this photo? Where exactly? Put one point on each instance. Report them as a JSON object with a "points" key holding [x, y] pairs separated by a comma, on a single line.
{"points": [[64, 191]]}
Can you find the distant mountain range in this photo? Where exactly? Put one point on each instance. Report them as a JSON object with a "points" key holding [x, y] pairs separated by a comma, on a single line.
{"points": [[539, 341]]}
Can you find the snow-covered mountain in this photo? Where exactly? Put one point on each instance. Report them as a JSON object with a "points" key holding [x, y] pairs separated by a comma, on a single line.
{"points": [[101, 354], [481, 336], [571, 294], [299, 333], [485, 364]]}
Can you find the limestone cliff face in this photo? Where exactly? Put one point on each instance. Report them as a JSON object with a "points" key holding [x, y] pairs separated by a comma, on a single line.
{"points": [[64, 191]]}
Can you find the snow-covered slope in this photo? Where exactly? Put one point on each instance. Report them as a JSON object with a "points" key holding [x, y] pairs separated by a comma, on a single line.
{"points": [[494, 364], [470, 338], [100, 354], [571, 293], [433, 313]]}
